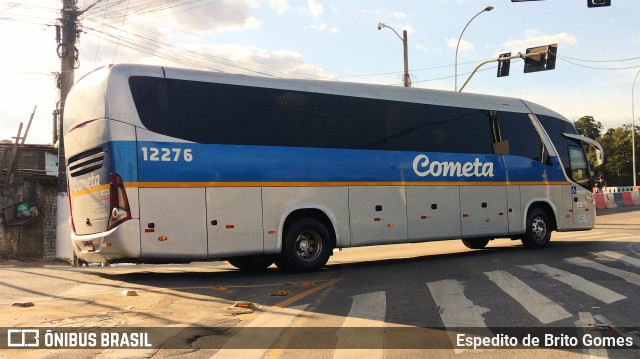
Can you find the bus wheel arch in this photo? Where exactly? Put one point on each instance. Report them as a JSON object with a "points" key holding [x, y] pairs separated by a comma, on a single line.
{"points": [[308, 239], [540, 222]]}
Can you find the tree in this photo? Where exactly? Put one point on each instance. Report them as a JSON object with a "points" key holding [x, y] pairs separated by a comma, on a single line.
{"points": [[589, 127], [617, 149]]}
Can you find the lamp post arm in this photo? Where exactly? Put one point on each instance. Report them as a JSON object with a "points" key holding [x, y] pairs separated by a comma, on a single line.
{"points": [[394, 30], [458, 45], [519, 55]]}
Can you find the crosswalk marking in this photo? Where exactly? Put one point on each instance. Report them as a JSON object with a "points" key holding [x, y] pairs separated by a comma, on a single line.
{"points": [[456, 311], [367, 310], [535, 303], [578, 283], [619, 256], [628, 276], [276, 320], [585, 320]]}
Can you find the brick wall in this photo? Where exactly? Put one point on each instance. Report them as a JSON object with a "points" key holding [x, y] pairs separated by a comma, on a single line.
{"points": [[34, 240]]}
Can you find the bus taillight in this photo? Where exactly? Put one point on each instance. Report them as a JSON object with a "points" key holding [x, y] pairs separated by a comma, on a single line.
{"points": [[120, 210], [73, 226]]}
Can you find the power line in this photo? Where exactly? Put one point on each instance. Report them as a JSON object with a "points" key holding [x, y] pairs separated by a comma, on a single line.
{"points": [[586, 60], [598, 68]]}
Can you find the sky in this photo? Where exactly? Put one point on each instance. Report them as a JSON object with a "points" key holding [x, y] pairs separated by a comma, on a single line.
{"points": [[598, 48]]}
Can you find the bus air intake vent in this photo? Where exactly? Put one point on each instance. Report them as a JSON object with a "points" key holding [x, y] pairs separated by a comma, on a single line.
{"points": [[85, 162]]}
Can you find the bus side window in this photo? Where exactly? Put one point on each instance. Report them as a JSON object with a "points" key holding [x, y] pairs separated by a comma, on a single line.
{"points": [[522, 138], [579, 169], [163, 97]]}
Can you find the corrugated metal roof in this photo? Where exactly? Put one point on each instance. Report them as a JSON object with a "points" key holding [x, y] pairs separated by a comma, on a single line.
{"points": [[28, 146]]}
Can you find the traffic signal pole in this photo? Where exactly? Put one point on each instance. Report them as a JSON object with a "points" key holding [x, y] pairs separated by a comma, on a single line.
{"points": [[518, 56]]}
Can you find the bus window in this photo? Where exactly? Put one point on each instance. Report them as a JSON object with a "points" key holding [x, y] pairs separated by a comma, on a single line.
{"points": [[522, 138], [579, 167]]}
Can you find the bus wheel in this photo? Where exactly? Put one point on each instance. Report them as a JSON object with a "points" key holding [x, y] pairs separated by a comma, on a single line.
{"points": [[476, 243], [538, 230], [306, 246], [251, 263]]}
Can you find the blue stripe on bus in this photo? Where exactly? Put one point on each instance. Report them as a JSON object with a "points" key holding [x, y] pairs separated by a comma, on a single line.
{"points": [[168, 162]]}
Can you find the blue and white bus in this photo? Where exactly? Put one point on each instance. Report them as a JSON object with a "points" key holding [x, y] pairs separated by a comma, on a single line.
{"points": [[174, 165]]}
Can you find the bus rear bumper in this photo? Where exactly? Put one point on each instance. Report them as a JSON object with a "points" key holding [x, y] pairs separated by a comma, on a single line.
{"points": [[119, 244]]}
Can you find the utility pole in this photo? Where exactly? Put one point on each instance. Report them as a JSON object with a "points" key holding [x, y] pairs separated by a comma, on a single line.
{"points": [[407, 79], [68, 54], [66, 36]]}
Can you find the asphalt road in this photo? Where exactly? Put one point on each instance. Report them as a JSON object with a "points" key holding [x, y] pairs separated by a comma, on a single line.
{"points": [[410, 300]]}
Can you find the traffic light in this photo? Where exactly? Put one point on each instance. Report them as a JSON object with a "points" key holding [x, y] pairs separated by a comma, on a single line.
{"points": [[598, 3], [504, 65], [544, 60]]}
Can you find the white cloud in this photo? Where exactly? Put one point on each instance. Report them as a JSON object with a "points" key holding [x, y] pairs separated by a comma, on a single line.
{"points": [[280, 6], [223, 15], [409, 28], [320, 27], [398, 15], [315, 8], [464, 44], [635, 39], [535, 37], [324, 27], [425, 49]]}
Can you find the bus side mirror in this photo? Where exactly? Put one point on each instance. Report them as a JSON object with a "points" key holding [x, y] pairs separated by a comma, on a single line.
{"points": [[599, 157]]}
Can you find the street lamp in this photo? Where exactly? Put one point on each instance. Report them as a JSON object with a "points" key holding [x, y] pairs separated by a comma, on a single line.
{"points": [[633, 129], [488, 8], [403, 38]]}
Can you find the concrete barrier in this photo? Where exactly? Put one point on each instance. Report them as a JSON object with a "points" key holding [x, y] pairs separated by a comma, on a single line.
{"points": [[609, 201], [626, 199], [600, 204], [612, 198]]}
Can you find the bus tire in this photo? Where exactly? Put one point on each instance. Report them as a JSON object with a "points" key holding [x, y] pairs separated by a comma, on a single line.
{"points": [[251, 263], [538, 231], [306, 246], [476, 243]]}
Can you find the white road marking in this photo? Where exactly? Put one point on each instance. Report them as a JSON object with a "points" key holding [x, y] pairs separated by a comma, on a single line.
{"points": [[535, 303], [274, 320], [457, 311], [578, 283], [628, 276], [585, 321], [619, 256], [367, 311]]}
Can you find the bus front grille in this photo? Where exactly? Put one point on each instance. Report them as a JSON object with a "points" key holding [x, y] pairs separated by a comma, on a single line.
{"points": [[85, 162]]}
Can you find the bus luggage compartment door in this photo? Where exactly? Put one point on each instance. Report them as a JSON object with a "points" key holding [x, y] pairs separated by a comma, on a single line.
{"points": [[172, 222], [484, 211], [378, 215], [234, 221]]}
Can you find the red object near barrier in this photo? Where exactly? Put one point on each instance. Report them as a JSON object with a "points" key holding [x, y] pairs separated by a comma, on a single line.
{"points": [[627, 199], [600, 204]]}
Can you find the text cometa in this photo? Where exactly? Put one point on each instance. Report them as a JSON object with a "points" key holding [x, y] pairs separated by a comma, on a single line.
{"points": [[423, 167]]}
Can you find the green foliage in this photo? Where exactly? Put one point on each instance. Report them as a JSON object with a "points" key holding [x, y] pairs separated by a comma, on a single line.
{"points": [[589, 127], [616, 142]]}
